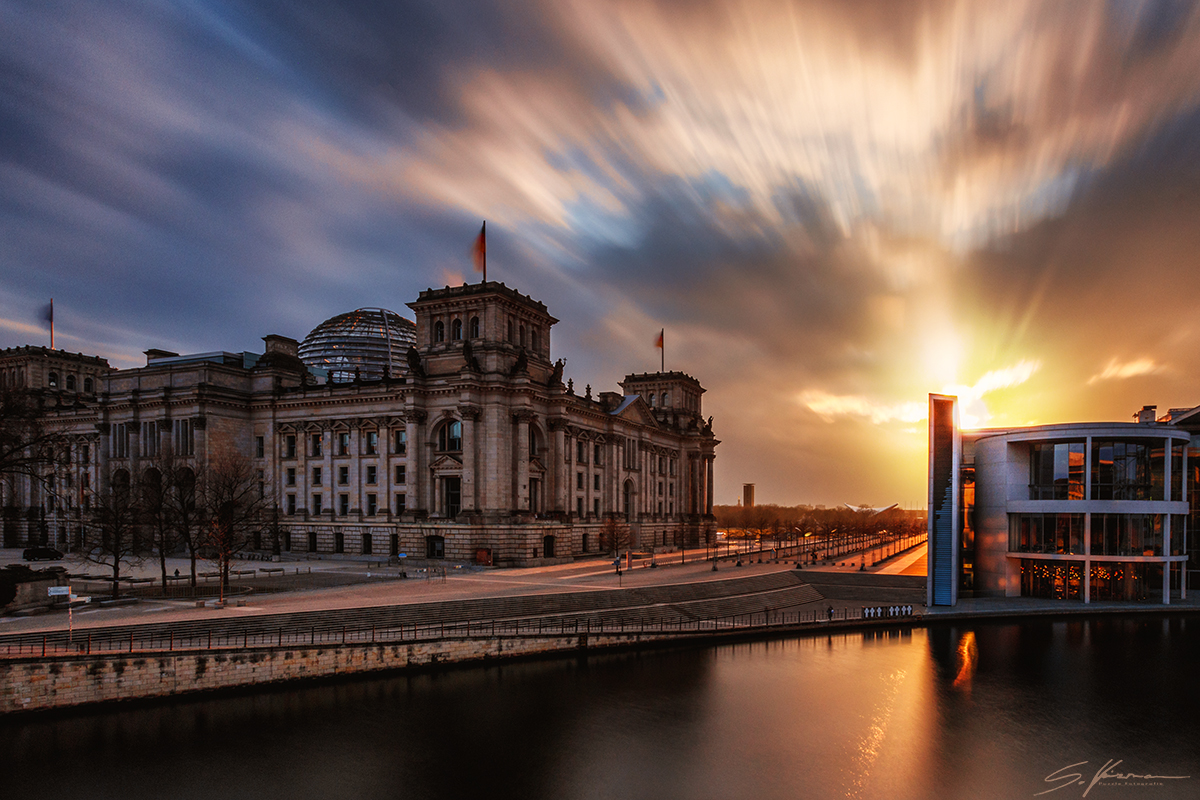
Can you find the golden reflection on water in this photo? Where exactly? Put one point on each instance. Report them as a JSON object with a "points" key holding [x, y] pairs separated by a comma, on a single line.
{"points": [[968, 656], [871, 744]]}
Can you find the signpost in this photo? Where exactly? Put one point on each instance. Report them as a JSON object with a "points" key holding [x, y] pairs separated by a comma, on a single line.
{"points": [[65, 591]]}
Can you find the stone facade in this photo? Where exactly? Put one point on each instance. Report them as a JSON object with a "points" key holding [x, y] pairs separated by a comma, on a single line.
{"points": [[477, 452]]}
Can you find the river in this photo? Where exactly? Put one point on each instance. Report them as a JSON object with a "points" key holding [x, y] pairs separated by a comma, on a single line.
{"points": [[980, 710]]}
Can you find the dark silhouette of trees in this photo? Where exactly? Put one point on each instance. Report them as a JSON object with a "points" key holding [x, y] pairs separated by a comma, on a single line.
{"points": [[233, 507], [615, 536], [110, 538]]}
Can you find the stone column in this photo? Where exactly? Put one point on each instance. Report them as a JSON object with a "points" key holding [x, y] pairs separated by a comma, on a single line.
{"points": [[470, 416], [522, 418], [558, 465], [708, 489], [415, 459]]}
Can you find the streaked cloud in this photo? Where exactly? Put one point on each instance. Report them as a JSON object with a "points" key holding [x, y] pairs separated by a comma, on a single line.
{"points": [[833, 208], [1116, 370]]}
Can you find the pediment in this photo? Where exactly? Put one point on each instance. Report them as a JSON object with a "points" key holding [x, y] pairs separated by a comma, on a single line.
{"points": [[446, 462], [634, 409]]}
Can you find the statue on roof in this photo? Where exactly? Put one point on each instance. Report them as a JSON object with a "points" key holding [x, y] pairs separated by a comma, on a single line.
{"points": [[414, 363]]}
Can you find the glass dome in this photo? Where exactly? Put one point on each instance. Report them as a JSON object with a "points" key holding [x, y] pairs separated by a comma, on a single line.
{"points": [[360, 340]]}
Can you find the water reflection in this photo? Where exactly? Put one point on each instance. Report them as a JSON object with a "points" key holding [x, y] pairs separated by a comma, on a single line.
{"points": [[950, 711]]}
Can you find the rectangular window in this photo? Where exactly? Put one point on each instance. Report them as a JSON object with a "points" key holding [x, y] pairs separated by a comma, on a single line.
{"points": [[366, 544], [597, 451], [1125, 471], [401, 474], [596, 482], [371, 475], [596, 507], [579, 481], [149, 439], [312, 541], [579, 506], [580, 451], [183, 437], [343, 476], [400, 503], [339, 542], [671, 467], [315, 450], [399, 442], [316, 504], [343, 504], [670, 490], [291, 476], [343, 444], [260, 447], [1056, 471], [262, 484], [371, 504], [660, 488], [316, 476], [291, 504], [289, 446], [372, 443]]}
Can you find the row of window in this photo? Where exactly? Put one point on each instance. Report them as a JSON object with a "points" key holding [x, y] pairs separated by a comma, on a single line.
{"points": [[317, 504], [1111, 534], [52, 382], [341, 444], [372, 475], [1120, 471], [183, 438], [514, 334]]}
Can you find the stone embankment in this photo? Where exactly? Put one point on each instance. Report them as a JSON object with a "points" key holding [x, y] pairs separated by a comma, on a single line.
{"points": [[137, 663]]}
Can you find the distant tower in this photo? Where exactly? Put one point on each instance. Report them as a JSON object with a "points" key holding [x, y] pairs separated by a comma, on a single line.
{"points": [[748, 495]]}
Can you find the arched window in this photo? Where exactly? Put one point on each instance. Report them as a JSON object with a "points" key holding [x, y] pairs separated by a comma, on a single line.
{"points": [[533, 441], [535, 339], [510, 331], [53, 380], [120, 484], [652, 399], [70, 383], [628, 501], [522, 342], [87, 385], [449, 437], [439, 331], [456, 330], [474, 327], [666, 399]]}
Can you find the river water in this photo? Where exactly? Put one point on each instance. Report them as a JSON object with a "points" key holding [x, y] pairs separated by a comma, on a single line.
{"points": [[985, 710]]}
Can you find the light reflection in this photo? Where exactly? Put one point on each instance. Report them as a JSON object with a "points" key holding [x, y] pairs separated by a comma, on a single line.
{"points": [[968, 656], [871, 744]]}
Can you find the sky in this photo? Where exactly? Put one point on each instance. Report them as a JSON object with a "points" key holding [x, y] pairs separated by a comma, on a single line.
{"points": [[832, 208]]}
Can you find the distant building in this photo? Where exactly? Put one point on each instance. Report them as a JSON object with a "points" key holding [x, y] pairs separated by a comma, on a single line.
{"points": [[1079, 511], [472, 449], [748, 495]]}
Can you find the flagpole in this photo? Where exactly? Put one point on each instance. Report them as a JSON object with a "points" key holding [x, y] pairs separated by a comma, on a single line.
{"points": [[51, 323], [663, 363]]}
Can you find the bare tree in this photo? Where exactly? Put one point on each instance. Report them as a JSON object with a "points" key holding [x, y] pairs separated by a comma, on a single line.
{"points": [[615, 536], [27, 446], [110, 539], [233, 507]]}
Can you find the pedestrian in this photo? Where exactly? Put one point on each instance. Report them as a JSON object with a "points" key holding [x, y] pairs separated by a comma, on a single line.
{"points": [[831, 613], [177, 572]]}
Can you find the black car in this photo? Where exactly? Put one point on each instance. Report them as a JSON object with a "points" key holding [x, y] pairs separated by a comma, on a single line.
{"points": [[41, 553]]}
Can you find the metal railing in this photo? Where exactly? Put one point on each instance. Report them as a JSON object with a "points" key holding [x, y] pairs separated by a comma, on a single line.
{"points": [[100, 642]]}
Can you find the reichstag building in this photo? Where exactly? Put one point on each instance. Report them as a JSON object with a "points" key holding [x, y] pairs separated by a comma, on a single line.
{"points": [[453, 438]]}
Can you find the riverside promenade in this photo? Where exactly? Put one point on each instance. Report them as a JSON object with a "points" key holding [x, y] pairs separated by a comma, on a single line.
{"points": [[162, 648]]}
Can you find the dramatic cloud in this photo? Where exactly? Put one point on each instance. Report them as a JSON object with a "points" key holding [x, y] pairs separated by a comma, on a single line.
{"points": [[832, 207]]}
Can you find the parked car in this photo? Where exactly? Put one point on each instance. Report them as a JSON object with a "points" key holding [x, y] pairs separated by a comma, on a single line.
{"points": [[41, 554]]}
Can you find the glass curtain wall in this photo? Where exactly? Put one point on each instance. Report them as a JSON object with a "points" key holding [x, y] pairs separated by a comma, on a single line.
{"points": [[1046, 533], [1056, 471]]}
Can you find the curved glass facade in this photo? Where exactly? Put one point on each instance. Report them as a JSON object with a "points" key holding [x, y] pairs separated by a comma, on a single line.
{"points": [[360, 340]]}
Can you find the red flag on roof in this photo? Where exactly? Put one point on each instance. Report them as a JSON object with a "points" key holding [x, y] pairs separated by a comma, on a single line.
{"points": [[479, 251], [659, 341]]}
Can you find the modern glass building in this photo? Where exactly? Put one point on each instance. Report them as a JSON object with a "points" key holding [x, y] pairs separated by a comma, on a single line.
{"points": [[364, 342], [1080, 511]]}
